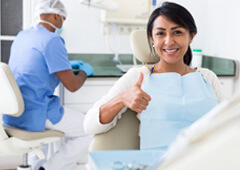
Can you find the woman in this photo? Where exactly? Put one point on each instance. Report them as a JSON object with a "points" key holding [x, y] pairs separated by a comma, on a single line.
{"points": [[163, 89]]}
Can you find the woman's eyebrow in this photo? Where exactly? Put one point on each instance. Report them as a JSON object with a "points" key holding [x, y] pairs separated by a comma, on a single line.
{"points": [[160, 28], [164, 29]]}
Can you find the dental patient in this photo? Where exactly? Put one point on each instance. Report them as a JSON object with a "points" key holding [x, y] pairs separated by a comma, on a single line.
{"points": [[167, 96]]}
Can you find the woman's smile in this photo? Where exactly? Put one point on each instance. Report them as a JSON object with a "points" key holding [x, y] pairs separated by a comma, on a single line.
{"points": [[171, 51]]}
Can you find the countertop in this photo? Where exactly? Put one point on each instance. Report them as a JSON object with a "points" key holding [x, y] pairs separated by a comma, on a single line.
{"points": [[104, 66]]}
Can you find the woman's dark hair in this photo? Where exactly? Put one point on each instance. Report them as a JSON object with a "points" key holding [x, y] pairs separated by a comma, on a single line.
{"points": [[177, 14]]}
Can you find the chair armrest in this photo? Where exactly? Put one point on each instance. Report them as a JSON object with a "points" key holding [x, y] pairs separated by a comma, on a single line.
{"points": [[123, 136]]}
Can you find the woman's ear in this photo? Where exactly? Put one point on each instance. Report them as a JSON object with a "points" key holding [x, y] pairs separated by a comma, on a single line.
{"points": [[192, 36], [151, 41]]}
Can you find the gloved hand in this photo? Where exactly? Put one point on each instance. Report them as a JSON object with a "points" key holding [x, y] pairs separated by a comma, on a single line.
{"points": [[81, 66], [87, 68], [75, 64]]}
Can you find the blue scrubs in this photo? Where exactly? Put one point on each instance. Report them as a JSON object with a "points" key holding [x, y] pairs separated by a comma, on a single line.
{"points": [[36, 54]]}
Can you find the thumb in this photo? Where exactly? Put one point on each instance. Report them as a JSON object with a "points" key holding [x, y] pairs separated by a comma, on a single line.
{"points": [[140, 80]]}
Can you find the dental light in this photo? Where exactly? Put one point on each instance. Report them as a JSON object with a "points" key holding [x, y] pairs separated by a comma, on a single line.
{"points": [[101, 4]]}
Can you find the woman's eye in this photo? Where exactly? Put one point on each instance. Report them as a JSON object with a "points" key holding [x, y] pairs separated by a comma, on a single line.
{"points": [[178, 32], [160, 33]]}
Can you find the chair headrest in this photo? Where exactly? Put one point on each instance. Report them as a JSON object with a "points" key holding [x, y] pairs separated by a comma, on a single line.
{"points": [[11, 101], [140, 47]]}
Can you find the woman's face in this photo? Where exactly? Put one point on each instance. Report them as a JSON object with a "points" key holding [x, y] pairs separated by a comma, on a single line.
{"points": [[170, 40]]}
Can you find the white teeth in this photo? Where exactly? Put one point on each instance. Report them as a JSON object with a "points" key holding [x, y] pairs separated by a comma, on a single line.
{"points": [[169, 51]]}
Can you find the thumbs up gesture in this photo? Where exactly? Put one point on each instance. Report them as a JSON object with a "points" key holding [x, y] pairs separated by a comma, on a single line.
{"points": [[135, 98]]}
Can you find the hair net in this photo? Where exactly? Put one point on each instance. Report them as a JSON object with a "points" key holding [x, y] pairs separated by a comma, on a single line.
{"points": [[50, 7]]}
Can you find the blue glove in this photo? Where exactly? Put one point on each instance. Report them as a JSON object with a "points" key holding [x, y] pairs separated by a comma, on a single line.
{"points": [[75, 64], [87, 68], [81, 66]]}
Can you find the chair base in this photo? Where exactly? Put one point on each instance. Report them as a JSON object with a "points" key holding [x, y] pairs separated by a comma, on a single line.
{"points": [[22, 167]]}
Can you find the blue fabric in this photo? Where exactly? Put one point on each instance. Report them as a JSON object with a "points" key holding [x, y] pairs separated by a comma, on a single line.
{"points": [[36, 54], [177, 102]]}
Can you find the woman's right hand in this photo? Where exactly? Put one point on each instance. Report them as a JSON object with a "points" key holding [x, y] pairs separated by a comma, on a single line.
{"points": [[135, 98]]}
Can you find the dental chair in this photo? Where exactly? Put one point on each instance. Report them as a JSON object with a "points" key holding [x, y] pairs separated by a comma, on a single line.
{"points": [[13, 140], [215, 146], [124, 135]]}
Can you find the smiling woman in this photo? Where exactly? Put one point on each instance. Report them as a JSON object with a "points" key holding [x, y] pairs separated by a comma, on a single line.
{"points": [[171, 30], [171, 43], [167, 96]]}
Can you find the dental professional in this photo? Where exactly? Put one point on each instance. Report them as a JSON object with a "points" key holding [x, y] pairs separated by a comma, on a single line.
{"points": [[39, 62], [167, 96]]}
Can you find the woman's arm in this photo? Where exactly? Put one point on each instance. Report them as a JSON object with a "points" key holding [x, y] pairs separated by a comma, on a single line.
{"points": [[134, 98], [105, 112], [215, 82]]}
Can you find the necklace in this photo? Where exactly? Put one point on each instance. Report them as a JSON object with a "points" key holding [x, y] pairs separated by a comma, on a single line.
{"points": [[152, 69]]}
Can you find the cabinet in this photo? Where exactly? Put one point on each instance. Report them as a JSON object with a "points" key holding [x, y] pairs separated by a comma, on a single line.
{"points": [[92, 90], [228, 85], [10, 24]]}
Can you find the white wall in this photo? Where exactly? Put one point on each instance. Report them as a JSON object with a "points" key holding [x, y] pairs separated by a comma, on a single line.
{"points": [[222, 36], [224, 24], [83, 34], [82, 31], [217, 21]]}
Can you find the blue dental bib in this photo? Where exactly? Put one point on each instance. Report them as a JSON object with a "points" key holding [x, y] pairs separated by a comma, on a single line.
{"points": [[177, 102]]}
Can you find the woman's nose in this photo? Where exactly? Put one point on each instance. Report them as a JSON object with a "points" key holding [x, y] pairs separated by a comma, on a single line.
{"points": [[169, 40]]}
